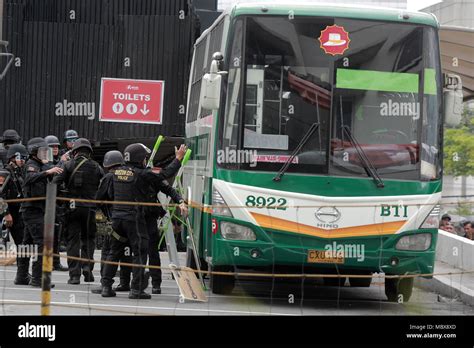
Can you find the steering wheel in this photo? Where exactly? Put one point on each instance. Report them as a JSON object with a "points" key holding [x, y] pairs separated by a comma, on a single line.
{"points": [[394, 134]]}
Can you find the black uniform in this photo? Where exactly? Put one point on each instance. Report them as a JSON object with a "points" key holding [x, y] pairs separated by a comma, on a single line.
{"points": [[103, 195], [34, 185], [13, 190], [132, 183], [60, 225], [81, 179]]}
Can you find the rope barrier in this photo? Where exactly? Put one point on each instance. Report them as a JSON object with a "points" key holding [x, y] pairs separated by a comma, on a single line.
{"points": [[210, 206], [261, 275]]}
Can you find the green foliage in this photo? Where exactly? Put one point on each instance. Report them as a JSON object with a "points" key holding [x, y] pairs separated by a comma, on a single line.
{"points": [[459, 147], [462, 209]]}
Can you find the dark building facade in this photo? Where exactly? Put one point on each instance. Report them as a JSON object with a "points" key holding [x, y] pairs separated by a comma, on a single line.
{"points": [[63, 48]]}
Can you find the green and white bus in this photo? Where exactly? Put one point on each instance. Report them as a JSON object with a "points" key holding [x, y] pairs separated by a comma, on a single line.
{"points": [[317, 142]]}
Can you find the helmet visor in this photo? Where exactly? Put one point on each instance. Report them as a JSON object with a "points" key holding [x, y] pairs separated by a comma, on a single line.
{"points": [[45, 154], [148, 151]]}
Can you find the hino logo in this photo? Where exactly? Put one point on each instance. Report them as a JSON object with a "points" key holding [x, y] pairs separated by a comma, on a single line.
{"points": [[328, 214]]}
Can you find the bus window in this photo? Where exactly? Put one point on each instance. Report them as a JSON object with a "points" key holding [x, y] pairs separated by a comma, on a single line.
{"points": [[378, 99], [287, 90], [432, 116], [232, 115]]}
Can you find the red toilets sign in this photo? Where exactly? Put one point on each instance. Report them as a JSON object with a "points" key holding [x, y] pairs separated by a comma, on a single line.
{"points": [[133, 101]]}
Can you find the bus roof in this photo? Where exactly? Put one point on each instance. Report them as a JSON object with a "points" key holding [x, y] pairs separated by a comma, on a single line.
{"points": [[331, 10]]}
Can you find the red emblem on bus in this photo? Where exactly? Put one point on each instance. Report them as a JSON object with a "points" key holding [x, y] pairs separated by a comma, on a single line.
{"points": [[334, 40]]}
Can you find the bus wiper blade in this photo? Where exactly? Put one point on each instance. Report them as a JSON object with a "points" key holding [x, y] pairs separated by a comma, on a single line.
{"points": [[298, 148], [368, 165]]}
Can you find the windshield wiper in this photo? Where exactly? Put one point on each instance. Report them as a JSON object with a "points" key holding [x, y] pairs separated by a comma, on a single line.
{"points": [[368, 165], [298, 148]]}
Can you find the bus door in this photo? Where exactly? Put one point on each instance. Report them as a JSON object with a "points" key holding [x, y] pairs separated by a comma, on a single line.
{"points": [[254, 100]]}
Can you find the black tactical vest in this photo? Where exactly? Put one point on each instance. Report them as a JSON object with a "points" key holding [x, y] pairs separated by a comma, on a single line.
{"points": [[84, 182], [127, 187]]}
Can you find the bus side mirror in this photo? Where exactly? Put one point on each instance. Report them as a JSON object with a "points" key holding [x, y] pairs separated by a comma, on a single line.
{"points": [[211, 85], [453, 100]]}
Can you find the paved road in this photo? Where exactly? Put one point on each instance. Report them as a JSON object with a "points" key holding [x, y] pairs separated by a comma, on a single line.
{"points": [[250, 297]]}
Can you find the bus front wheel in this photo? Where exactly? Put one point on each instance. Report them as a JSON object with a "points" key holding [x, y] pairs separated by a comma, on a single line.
{"points": [[222, 284], [398, 289]]}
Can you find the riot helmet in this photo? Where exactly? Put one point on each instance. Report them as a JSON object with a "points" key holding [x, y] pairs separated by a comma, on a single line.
{"points": [[136, 153], [113, 158]]}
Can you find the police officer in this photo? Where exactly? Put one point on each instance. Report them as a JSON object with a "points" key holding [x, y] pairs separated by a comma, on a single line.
{"points": [[112, 160], [54, 144], [12, 189], [70, 136], [81, 178], [152, 214], [38, 173], [9, 137], [132, 182]]}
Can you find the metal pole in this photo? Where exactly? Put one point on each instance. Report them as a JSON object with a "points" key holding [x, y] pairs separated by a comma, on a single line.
{"points": [[49, 218]]}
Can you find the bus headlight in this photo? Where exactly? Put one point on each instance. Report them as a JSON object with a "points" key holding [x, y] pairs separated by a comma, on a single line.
{"points": [[432, 220], [219, 206], [236, 232], [414, 242]]}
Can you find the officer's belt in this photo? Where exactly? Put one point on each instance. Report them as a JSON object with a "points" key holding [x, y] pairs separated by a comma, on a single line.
{"points": [[119, 237]]}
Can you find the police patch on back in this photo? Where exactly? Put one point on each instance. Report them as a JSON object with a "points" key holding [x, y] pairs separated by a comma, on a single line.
{"points": [[124, 175]]}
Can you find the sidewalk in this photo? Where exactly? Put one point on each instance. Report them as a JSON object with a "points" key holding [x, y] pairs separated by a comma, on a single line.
{"points": [[458, 286]]}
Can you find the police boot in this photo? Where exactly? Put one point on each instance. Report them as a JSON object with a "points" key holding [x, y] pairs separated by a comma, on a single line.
{"points": [[138, 295], [88, 277], [122, 287], [97, 290], [74, 281], [155, 288], [22, 275], [22, 279], [108, 292]]}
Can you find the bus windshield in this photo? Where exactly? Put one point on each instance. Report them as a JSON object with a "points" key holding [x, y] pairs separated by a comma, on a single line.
{"points": [[379, 80]]}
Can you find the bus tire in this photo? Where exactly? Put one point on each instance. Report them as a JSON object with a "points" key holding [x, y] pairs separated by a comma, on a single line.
{"points": [[222, 284], [399, 289], [360, 282], [332, 281]]}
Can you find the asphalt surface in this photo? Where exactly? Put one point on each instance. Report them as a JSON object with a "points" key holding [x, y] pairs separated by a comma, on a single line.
{"points": [[250, 297]]}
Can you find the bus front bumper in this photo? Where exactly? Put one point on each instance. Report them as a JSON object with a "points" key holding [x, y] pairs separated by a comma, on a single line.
{"points": [[360, 254]]}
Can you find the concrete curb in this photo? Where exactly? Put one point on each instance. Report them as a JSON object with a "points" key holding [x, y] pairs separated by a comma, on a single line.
{"points": [[447, 287]]}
